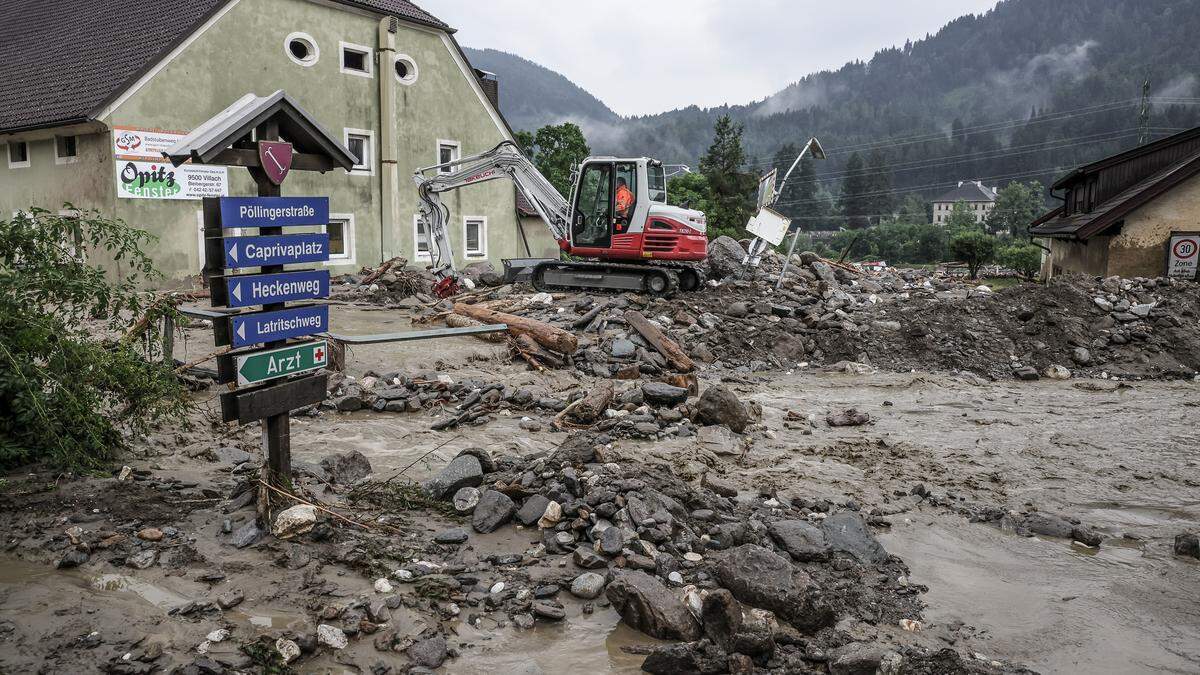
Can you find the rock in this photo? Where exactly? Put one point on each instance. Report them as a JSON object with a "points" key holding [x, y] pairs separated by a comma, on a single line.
{"points": [[718, 406], [532, 509], [661, 393], [150, 534], [288, 651], [548, 610], [762, 578], [246, 535], [847, 532], [294, 520], [722, 487], [646, 605], [347, 468], [588, 586], [219, 635], [850, 417], [523, 620], [232, 456], [430, 652], [725, 258], [1082, 356], [722, 617], [693, 658], [494, 509], [72, 558], [1056, 372], [1027, 373], [462, 471], [465, 499], [623, 349], [331, 636], [856, 658], [551, 516], [382, 585], [1048, 524], [484, 457], [802, 540], [455, 535], [1187, 544], [824, 272], [589, 559], [378, 610], [611, 541], [230, 600], [142, 560], [577, 449], [719, 440]]}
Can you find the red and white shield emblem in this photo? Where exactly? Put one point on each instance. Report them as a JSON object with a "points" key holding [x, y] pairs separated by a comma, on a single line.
{"points": [[276, 159]]}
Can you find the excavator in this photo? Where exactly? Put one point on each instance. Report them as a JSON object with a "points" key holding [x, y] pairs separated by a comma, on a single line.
{"points": [[616, 233]]}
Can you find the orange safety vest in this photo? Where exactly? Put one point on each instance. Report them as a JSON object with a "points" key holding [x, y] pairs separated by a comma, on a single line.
{"points": [[624, 199]]}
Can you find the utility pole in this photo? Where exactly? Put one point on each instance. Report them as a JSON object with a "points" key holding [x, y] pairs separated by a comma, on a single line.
{"points": [[1144, 114]]}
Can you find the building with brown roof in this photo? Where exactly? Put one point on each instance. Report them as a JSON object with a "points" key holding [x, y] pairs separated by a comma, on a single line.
{"points": [[978, 198], [92, 92], [1119, 215]]}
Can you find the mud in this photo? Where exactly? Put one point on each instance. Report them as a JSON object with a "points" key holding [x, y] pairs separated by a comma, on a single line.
{"points": [[1117, 457]]}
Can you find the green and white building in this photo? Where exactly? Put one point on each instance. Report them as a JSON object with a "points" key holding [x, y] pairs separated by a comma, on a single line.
{"points": [[91, 92]]}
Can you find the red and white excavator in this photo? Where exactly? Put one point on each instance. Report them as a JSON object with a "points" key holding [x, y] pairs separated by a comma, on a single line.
{"points": [[610, 239]]}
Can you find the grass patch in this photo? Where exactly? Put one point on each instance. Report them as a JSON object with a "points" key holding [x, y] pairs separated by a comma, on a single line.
{"points": [[1001, 283]]}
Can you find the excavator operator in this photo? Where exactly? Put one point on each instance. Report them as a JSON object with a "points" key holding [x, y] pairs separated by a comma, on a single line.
{"points": [[625, 202]]}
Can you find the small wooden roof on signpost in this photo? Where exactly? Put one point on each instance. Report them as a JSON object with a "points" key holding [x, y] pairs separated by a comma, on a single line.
{"points": [[225, 138]]}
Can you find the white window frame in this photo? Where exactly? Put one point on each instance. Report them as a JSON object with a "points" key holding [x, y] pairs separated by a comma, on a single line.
{"points": [[481, 254], [427, 256], [304, 37], [368, 167], [70, 159], [368, 59], [438, 155], [412, 70], [347, 258], [28, 155]]}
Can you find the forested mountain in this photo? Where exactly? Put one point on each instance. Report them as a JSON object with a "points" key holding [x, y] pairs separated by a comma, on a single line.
{"points": [[1023, 91], [532, 96]]}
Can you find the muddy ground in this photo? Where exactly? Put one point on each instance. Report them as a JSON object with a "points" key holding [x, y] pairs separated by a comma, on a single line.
{"points": [[943, 459]]}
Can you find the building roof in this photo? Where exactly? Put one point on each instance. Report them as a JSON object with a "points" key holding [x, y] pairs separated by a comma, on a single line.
{"points": [[968, 191], [524, 208], [62, 61], [1109, 212]]}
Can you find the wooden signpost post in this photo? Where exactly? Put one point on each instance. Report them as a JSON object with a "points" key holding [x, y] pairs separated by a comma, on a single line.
{"points": [[273, 369]]}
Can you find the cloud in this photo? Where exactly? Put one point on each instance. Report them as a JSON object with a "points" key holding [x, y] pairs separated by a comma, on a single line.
{"points": [[1183, 86]]}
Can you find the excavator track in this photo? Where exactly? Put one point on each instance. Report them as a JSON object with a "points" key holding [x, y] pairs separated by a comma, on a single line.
{"points": [[652, 279]]}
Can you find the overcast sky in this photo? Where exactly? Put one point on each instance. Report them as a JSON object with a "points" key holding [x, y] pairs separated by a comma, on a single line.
{"points": [[651, 56]]}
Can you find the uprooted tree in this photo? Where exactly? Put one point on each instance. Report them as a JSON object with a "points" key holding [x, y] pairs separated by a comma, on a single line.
{"points": [[74, 382]]}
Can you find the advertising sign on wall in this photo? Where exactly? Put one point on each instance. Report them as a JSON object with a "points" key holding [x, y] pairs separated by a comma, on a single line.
{"points": [[143, 173]]}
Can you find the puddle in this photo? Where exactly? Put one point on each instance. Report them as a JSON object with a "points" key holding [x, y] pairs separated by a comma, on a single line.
{"points": [[1051, 605], [159, 597]]}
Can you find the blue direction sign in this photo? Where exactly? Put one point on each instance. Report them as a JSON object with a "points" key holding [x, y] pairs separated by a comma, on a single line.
{"points": [[287, 249], [252, 329], [273, 211], [261, 289]]}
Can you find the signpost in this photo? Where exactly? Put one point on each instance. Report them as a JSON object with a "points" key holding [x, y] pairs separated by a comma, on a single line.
{"points": [[1183, 255], [267, 383]]}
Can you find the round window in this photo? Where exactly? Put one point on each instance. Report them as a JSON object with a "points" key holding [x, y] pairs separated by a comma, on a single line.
{"points": [[406, 69], [302, 48]]}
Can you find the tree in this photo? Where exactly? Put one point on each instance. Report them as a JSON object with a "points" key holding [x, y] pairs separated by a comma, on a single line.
{"points": [[732, 190], [556, 150], [70, 396], [1017, 205], [878, 198], [1026, 259], [961, 219], [853, 202], [973, 247], [690, 190], [914, 209]]}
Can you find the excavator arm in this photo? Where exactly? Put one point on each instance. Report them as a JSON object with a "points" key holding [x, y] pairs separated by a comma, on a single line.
{"points": [[504, 160]]}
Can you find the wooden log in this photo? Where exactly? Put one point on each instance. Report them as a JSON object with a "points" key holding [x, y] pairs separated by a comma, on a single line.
{"points": [[591, 407], [460, 321], [543, 333], [584, 320], [665, 345], [528, 347]]}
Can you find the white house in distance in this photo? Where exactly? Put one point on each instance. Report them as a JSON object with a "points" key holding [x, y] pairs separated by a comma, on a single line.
{"points": [[979, 200]]}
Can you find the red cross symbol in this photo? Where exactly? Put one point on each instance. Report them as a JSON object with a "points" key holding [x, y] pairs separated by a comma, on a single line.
{"points": [[319, 354]]}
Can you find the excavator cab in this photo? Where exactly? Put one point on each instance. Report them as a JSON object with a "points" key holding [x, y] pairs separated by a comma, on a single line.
{"points": [[594, 206]]}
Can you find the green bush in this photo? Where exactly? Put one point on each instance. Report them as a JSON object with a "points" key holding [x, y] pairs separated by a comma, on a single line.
{"points": [[70, 397], [976, 248], [1026, 259]]}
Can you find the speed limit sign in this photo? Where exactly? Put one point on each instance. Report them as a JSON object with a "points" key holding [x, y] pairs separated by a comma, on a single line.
{"points": [[1183, 254]]}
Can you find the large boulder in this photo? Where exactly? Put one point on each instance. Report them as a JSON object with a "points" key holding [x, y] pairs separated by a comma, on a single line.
{"points": [[761, 578], [463, 471], [725, 258], [699, 658], [846, 531], [718, 405], [494, 509], [802, 540], [346, 468], [294, 520], [661, 393], [646, 605]]}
